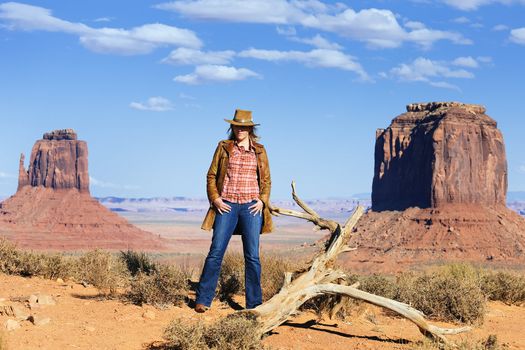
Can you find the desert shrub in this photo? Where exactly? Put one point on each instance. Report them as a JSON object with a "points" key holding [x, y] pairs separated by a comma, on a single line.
{"points": [[167, 285], [379, 285], [27, 263], [508, 287], [273, 268], [491, 343], [450, 293], [102, 270], [231, 278], [234, 332], [9, 257], [184, 335], [138, 262], [273, 271]]}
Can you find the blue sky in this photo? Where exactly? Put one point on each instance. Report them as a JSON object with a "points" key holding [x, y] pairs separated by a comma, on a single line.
{"points": [[148, 83]]}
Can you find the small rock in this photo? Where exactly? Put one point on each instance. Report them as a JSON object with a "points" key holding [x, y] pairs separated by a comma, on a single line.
{"points": [[20, 313], [60, 280], [150, 315], [33, 299], [11, 325], [45, 299], [39, 320], [89, 328]]}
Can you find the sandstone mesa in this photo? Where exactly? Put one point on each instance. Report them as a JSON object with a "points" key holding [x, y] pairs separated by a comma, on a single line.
{"points": [[53, 209]]}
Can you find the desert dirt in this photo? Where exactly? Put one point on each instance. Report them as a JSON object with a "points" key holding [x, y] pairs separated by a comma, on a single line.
{"points": [[82, 320]]}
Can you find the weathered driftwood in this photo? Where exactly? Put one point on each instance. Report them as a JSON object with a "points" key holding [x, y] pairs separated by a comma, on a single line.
{"points": [[320, 278]]}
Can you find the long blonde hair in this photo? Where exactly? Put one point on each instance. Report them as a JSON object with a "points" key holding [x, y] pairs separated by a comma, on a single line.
{"points": [[253, 134]]}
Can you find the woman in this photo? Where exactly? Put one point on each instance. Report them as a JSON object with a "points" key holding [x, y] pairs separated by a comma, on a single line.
{"points": [[238, 187]]}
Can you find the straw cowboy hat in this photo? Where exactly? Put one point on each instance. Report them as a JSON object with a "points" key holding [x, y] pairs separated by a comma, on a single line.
{"points": [[242, 118]]}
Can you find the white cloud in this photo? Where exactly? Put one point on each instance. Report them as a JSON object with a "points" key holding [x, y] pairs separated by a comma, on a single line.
{"points": [[103, 19], [187, 56], [414, 25], [104, 184], [315, 58], [500, 27], [484, 59], [470, 5], [430, 72], [186, 96], [375, 27], [467, 62], [286, 31], [318, 41], [518, 36], [461, 20], [215, 73], [137, 40], [155, 104], [253, 11]]}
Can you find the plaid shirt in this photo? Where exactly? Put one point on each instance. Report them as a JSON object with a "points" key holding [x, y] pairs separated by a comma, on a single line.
{"points": [[240, 182]]}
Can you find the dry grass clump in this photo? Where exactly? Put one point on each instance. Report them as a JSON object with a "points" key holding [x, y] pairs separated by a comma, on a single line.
{"points": [[508, 287], [164, 286], [26, 263], [234, 332], [103, 270], [491, 343], [450, 293], [9, 257], [138, 262], [273, 268]]}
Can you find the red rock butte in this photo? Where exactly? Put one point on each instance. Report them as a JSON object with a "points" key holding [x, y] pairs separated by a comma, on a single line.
{"points": [[53, 209], [438, 193]]}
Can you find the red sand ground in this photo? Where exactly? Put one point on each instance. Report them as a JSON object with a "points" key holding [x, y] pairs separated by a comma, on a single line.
{"points": [[79, 320]]}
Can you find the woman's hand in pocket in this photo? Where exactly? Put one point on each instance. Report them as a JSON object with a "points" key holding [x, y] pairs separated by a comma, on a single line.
{"points": [[221, 206], [256, 208]]}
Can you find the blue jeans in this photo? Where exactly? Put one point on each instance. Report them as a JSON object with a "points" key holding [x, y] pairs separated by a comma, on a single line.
{"points": [[250, 227]]}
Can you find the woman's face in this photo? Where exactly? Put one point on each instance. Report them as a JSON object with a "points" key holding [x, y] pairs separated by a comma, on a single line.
{"points": [[241, 132]]}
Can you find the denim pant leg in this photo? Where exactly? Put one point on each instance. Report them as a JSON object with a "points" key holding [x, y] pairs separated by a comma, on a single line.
{"points": [[250, 226], [222, 232]]}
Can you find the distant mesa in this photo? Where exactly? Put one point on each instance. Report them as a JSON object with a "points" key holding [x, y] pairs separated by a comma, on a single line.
{"points": [[438, 193], [58, 161], [53, 209]]}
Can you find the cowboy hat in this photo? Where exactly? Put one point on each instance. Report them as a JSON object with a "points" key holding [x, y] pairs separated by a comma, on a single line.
{"points": [[242, 118]]}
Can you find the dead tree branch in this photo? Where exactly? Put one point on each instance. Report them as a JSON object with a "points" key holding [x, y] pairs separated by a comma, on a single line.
{"points": [[321, 278]]}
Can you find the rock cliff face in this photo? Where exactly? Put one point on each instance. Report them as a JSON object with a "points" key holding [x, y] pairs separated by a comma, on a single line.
{"points": [[439, 153], [438, 194], [52, 208], [58, 161]]}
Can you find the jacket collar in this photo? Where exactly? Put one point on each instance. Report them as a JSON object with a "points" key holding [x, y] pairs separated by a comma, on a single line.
{"points": [[229, 144]]}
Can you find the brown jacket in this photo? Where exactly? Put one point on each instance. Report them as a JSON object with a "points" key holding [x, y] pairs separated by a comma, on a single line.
{"points": [[217, 173]]}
